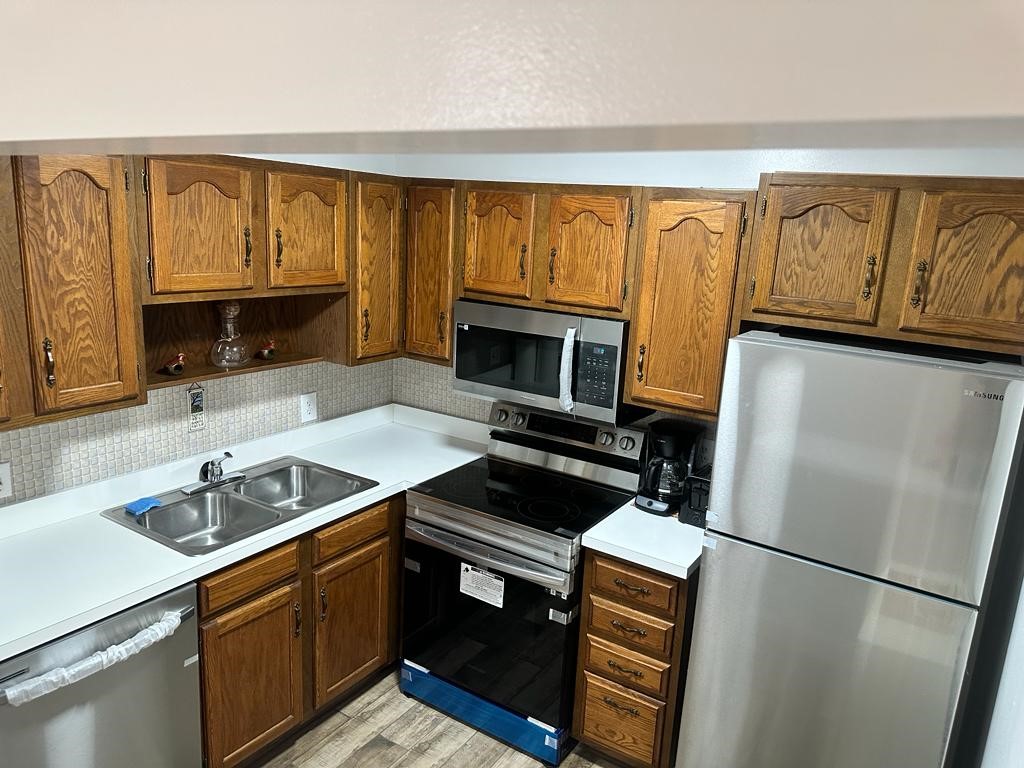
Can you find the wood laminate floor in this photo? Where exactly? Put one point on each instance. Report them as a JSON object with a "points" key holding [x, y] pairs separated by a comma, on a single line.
{"points": [[382, 728]]}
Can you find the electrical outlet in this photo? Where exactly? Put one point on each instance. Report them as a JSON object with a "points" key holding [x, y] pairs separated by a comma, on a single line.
{"points": [[307, 407], [6, 487]]}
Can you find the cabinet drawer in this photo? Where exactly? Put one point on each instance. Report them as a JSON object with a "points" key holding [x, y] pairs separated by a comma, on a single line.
{"points": [[350, 532], [626, 666], [648, 633], [254, 575], [625, 723], [633, 585]]}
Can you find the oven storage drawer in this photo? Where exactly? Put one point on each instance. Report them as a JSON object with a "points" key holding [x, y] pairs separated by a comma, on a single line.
{"points": [[625, 666], [625, 723], [635, 586], [642, 631]]}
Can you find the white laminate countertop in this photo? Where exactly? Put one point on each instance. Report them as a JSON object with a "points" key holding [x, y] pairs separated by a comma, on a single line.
{"points": [[659, 543], [63, 566]]}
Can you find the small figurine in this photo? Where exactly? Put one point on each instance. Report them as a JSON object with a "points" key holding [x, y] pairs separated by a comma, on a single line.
{"points": [[267, 351], [175, 366]]}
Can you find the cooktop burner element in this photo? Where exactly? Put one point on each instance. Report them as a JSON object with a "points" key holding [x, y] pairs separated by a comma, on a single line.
{"points": [[548, 510]]}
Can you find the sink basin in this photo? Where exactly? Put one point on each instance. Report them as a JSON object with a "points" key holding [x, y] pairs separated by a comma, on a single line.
{"points": [[207, 521], [301, 487]]}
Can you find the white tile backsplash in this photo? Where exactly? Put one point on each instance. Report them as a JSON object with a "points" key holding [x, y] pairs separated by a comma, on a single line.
{"points": [[431, 387]]}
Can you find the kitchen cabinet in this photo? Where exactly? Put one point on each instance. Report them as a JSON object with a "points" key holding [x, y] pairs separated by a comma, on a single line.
{"points": [[499, 242], [686, 280], [80, 303], [252, 675], [586, 264], [305, 229], [429, 272], [201, 234], [966, 270], [822, 251], [377, 269]]}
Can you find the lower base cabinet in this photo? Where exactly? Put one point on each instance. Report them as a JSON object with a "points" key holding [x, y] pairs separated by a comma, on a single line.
{"points": [[287, 632]]}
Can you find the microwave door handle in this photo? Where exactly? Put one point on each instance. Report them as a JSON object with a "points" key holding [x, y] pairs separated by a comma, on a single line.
{"points": [[566, 372]]}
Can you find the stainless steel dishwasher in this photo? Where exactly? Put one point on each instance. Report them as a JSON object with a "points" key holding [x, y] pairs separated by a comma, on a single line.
{"points": [[122, 693]]}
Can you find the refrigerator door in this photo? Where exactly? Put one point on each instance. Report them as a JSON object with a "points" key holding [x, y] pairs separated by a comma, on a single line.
{"points": [[796, 664], [890, 465]]}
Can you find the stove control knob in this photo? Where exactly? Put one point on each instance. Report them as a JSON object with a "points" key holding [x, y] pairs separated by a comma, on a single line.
{"points": [[518, 419], [627, 443], [606, 438], [501, 416]]}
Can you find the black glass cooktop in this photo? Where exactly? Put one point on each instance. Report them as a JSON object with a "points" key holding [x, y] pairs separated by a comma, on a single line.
{"points": [[542, 500]]}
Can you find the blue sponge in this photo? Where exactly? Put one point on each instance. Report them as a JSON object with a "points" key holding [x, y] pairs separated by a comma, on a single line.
{"points": [[139, 506]]}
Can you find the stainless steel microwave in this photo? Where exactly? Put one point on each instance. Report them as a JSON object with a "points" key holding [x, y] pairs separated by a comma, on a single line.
{"points": [[517, 355]]}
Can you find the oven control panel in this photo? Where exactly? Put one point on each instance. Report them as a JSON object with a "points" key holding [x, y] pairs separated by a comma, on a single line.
{"points": [[620, 441]]}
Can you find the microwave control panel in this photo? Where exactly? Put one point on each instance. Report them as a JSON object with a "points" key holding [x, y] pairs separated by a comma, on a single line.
{"points": [[596, 376]]}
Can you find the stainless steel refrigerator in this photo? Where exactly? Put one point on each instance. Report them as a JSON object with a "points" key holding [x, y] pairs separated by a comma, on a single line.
{"points": [[857, 499]]}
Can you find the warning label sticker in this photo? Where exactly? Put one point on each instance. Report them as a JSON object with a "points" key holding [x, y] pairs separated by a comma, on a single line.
{"points": [[478, 583]]}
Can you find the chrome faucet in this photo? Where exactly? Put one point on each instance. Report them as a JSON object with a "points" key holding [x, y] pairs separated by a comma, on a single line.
{"points": [[211, 474]]}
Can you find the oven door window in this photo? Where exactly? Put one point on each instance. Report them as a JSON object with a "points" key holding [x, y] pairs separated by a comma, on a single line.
{"points": [[524, 362], [514, 656]]}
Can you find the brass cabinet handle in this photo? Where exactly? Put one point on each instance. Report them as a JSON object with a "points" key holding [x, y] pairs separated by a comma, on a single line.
{"points": [[442, 321], [280, 248], [631, 711], [366, 325], [323, 603], [915, 299], [625, 670], [551, 265], [248, 246], [626, 628], [869, 278], [51, 365], [522, 262], [298, 619], [630, 587], [640, 363]]}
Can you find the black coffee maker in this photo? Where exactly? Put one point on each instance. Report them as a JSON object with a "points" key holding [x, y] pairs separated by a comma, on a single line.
{"points": [[669, 457]]}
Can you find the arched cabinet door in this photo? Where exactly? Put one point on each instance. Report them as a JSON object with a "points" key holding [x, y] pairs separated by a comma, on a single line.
{"points": [[499, 242], [822, 251], [376, 268], [305, 230], [966, 273], [428, 315], [78, 280]]}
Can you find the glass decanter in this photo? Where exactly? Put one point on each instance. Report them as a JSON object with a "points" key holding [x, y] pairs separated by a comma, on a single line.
{"points": [[229, 350]]}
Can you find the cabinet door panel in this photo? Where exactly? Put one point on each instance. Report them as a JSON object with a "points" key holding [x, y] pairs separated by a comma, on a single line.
{"points": [[305, 230], [822, 252], [252, 675], [687, 275], [200, 226], [967, 270], [499, 242], [587, 250], [78, 285], [377, 269], [351, 599], [428, 311]]}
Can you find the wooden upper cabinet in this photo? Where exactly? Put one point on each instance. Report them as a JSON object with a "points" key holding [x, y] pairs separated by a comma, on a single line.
{"points": [[376, 267], [586, 258], [79, 291], [822, 251], [201, 235], [686, 282], [429, 272], [499, 242], [305, 230], [966, 275]]}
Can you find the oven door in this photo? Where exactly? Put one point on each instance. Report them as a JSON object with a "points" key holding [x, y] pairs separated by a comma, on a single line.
{"points": [[514, 645]]}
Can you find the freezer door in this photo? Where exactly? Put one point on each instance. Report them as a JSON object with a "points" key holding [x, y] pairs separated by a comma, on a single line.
{"points": [[889, 465], [796, 664]]}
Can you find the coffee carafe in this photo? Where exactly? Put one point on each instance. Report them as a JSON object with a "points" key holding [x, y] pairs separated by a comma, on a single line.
{"points": [[670, 454]]}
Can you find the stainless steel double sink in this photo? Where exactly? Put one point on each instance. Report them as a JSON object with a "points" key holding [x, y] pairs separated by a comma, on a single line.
{"points": [[267, 495]]}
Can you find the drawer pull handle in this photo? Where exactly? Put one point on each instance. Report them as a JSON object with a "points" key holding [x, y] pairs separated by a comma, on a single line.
{"points": [[442, 322], [915, 298], [640, 363], [366, 325], [298, 619], [280, 248], [626, 628], [631, 588], [551, 266], [248, 247], [631, 711], [522, 262], [51, 365], [869, 278], [625, 670], [323, 603]]}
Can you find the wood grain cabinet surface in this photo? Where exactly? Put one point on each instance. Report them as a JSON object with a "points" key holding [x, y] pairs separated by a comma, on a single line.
{"points": [[586, 257], [966, 271], [377, 270], [822, 251], [305, 230], [429, 272], [499, 242], [201, 234], [686, 282], [81, 306]]}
